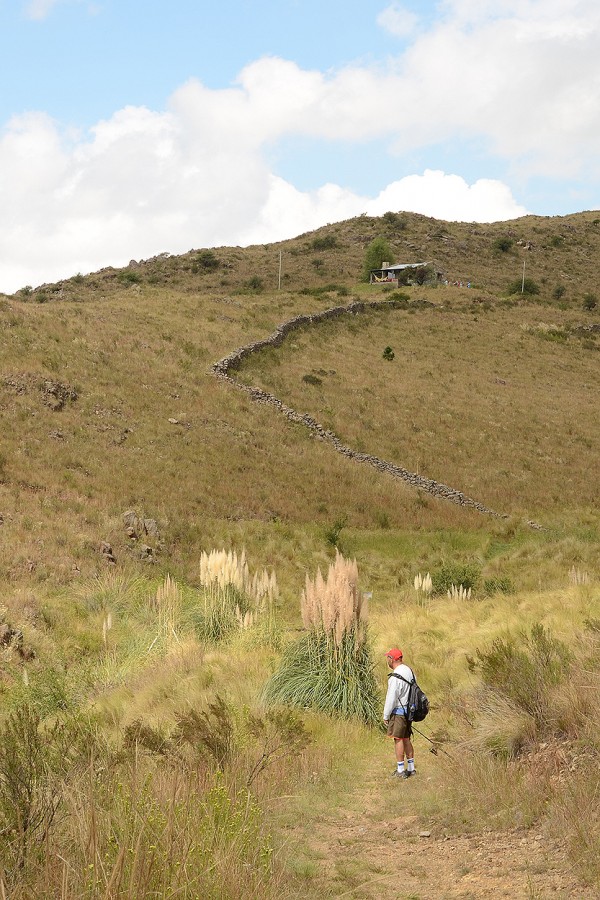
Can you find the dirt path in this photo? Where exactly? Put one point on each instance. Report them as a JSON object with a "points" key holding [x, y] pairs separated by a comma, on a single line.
{"points": [[376, 846]]}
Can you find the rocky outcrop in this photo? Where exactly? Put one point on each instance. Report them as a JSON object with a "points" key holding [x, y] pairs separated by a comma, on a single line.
{"points": [[225, 366]]}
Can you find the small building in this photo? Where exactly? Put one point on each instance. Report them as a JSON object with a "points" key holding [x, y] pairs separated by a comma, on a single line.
{"points": [[406, 273]]}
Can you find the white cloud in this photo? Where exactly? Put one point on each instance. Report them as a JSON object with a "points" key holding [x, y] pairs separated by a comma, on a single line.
{"points": [[519, 78], [40, 9], [397, 20], [444, 196], [146, 182]]}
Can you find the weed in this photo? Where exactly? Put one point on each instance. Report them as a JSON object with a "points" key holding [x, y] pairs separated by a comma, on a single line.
{"points": [[333, 532], [312, 379]]}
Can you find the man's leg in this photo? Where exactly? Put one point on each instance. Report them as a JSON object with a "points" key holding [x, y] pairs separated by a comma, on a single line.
{"points": [[399, 748], [408, 750]]}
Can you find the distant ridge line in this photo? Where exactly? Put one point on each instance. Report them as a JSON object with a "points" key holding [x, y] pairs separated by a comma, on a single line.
{"points": [[232, 361]]}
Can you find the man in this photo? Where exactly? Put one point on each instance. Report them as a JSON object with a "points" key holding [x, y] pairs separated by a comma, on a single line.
{"points": [[394, 712]]}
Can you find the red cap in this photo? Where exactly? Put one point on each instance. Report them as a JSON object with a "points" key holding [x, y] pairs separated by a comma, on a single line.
{"points": [[394, 653]]}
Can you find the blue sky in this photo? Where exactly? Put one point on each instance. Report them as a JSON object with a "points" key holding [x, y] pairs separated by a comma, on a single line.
{"points": [[129, 128]]}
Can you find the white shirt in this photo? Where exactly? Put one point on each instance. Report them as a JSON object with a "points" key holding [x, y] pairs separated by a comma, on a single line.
{"points": [[397, 691]]}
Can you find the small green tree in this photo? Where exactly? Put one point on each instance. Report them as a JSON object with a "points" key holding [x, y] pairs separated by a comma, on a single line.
{"points": [[524, 286], [378, 252], [590, 302]]}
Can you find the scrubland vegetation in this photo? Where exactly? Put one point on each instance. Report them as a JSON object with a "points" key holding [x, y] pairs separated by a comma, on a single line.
{"points": [[172, 707]]}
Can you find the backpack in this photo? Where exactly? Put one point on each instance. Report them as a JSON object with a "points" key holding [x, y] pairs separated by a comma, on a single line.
{"points": [[417, 706]]}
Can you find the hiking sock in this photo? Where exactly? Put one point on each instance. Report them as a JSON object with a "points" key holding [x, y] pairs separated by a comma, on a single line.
{"points": [[401, 768], [411, 765]]}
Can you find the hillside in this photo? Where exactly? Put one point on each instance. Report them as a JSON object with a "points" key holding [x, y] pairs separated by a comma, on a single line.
{"points": [[479, 386], [124, 459]]}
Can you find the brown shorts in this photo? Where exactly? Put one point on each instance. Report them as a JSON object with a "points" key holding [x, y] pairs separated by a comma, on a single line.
{"points": [[398, 727]]}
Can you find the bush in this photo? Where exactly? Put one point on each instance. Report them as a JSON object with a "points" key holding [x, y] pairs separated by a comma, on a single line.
{"points": [[590, 301], [329, 242], [455, 574], [207, 261], [559, 291], [255, 283], [312, 379], [388, 354], [523, 670], [126, 276], [502, 244], [520, 286], [394, 219]]}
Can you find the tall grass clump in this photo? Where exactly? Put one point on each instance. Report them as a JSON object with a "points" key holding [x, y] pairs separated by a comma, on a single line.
{"points": [[330, 668], [233, 598]]}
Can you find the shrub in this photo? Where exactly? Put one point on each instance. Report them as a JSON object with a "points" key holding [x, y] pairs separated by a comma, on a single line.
{"points": [[126, 276], [559, 291], [33, 763], [590, 301], [523, 286], [502, 244], [523, 670], [209, 731], [328, 242], [388, 354], [207, 261], [312, 379], [256, 283], [454, 575], [394, 219]]}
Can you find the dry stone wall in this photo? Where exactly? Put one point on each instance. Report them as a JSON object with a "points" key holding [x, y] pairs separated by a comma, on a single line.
{"points": [[224, 367]]}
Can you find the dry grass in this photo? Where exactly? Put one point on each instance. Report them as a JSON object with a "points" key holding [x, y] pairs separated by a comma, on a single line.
{"points": [[470, 399]]}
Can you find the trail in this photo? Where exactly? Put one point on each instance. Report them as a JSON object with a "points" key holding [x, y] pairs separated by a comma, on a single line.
{"points": [[375, 845]]}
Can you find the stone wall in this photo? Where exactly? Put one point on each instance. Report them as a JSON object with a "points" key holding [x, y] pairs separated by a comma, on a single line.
{"points": [[225, 366]]}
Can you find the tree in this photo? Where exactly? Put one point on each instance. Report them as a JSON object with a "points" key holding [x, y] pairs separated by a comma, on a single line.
{"points": [[377, 252]]}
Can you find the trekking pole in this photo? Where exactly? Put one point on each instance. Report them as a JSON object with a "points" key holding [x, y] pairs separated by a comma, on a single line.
{"points": [[434, 748]]}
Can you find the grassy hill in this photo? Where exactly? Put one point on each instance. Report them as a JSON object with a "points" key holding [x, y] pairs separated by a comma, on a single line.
{"points": [[108, 405]]}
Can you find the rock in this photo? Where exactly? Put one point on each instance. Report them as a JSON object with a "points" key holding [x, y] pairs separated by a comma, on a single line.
{"points": [[173, 421], [147, 553], [57, 394], [107, 552], [424, 834]]}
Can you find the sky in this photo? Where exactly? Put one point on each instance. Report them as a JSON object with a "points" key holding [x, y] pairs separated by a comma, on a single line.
{"points": [[130, 128]]}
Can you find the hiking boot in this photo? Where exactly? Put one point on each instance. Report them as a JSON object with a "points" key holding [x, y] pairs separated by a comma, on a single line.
{"points": [[397, 774], [410, 774]]}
